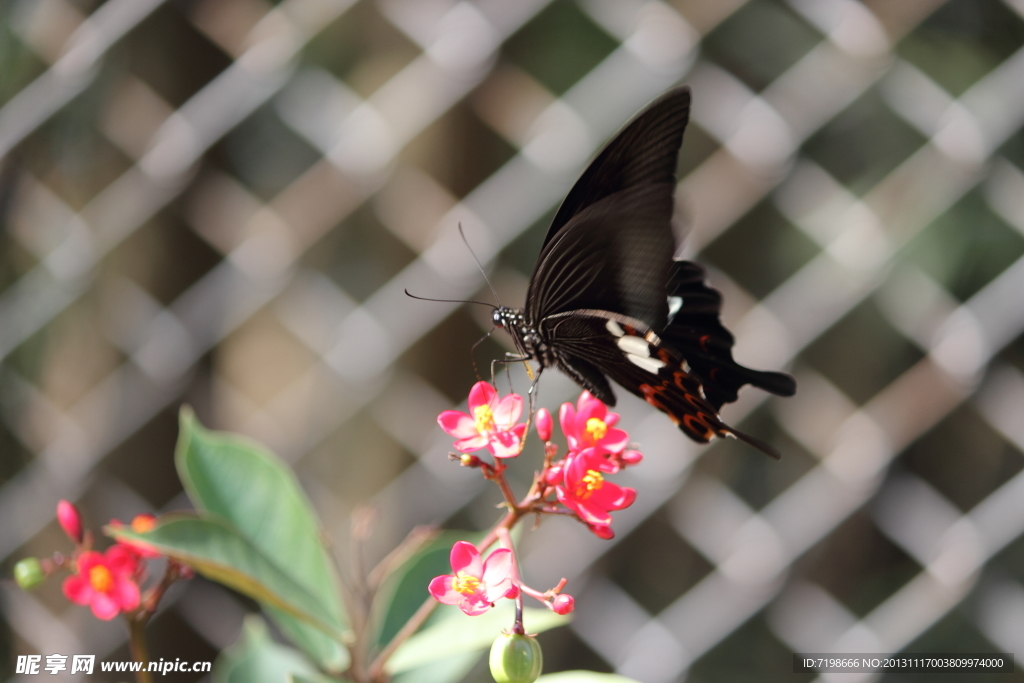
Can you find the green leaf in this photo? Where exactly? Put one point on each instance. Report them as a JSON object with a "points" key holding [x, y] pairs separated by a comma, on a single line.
{"points": [[219, 553], [319, 678], [255, 658], [584, 677], [243, 483], [460, 634], [325, 651]]}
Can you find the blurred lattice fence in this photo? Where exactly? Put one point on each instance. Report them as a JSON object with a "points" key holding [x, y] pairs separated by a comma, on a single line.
{"points": [[220, 202]]}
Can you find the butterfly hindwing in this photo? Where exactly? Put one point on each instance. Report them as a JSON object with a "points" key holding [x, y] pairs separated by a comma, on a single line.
{"points": [[632, 355], [696, 331]]}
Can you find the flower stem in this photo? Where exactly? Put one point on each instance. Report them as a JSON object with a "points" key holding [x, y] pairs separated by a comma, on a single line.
{"points": [[376, 670], [137, 645]]}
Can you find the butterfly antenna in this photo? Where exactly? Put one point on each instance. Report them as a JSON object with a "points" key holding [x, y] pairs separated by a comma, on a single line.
{"points": [[478, 264], [448, 301]]}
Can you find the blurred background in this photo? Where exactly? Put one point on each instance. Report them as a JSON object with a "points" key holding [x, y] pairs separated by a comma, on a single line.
{"points": [[220, 203]]}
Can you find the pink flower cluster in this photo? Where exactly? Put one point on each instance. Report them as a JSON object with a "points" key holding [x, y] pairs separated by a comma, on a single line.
{"points": [[108, 582], [576, 484], [596, 448]]}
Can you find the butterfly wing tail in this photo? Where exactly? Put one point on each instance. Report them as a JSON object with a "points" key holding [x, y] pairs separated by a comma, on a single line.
{"points": [[762, 446]]}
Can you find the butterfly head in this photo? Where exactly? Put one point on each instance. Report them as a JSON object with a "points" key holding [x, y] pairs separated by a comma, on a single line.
{"points": [[507, 318]]}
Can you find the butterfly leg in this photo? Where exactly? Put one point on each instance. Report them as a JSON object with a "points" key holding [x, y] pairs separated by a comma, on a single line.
{"points": [[509, 359]]}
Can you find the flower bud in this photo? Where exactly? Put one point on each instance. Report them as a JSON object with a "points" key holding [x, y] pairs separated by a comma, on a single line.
{"points": [[70, 520], [631, 457], [563, 604], [515, 659], [544, 424], [28, 573], [143, 523], [553, 475], [468, 460]]}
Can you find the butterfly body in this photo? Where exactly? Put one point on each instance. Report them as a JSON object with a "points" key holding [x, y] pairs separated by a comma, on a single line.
{"points": [[606, 300]]}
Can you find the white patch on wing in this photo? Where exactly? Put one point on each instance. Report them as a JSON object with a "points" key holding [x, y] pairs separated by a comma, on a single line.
{"points": [[634, 345], [651, 365], [674, 304], [614, 328]]}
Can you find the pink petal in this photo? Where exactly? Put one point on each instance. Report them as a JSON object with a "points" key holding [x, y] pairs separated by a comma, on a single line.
{"points": [[441, 588], [497, 567], [506, 444], [500, 590], [87, 561], [126, 594], [615, 440], [612, 497], [567, 420], [481, 395], [471, 444], [466, 558], [590, 405], [508, 411], [104, 606], [77, 589], [593, 513], [611, 419], [459, 425], [474, 607], [121, 560]]}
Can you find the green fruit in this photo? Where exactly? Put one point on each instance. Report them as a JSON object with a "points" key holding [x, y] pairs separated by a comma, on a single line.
{"points": [[28, 573], [516, 659]]}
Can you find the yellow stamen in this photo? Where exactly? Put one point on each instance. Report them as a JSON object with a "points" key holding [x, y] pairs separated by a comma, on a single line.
{"points": [[592, 481], [101, 579], [465, 584], [596, 429], [484, 417]]}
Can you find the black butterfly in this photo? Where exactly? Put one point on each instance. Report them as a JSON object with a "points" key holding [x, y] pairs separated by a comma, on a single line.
{"points": [[606, 300]]}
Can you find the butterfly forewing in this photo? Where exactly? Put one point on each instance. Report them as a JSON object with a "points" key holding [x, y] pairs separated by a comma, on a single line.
{"points": [[643, 153], [614, 255]]}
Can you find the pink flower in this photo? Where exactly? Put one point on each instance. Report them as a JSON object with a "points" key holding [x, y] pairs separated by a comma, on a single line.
{"points": [[70, 520], [105, 582], [140, 525], [590, 425], [475, 585], [585, 491], [491, 423]]}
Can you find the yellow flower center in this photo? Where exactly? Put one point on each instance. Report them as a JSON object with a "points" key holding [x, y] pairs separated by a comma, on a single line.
{"points": [[465, 584], [143, 523], [596, 429], [592, 481], [101, 579], [484, 417]]}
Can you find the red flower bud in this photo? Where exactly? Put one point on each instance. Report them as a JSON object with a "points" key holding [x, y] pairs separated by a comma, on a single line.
{"points": [[544, 424], [563, 604], [70, 521], [553, 475], [469, 460], [631, 457]]}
